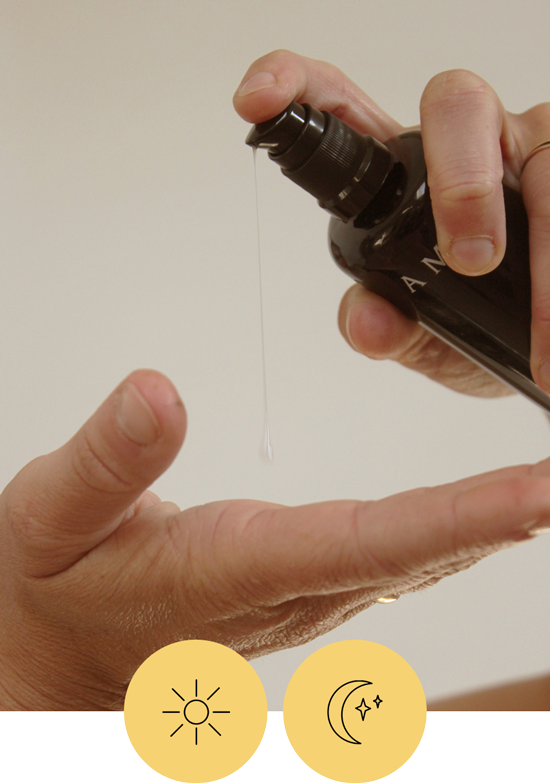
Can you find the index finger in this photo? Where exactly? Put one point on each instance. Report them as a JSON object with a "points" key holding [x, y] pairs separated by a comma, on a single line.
{"points": [[275, 80], [336, 546]]}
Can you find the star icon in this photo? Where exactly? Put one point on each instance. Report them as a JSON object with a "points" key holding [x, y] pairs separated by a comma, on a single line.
{"points": [[377, 701], [363, 709]]}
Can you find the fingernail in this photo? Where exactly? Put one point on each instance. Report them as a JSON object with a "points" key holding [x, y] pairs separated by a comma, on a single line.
{"points": [[544, 373], [353, 312], [538, 531], [256, 83], [387, 599], [135, 417], [473, 255]]}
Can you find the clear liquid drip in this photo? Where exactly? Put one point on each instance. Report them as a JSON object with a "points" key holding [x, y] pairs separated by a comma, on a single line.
{"points": [[266, 449]]}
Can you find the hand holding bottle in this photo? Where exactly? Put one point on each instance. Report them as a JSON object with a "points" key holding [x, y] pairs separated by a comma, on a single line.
{"points": [[96, 572], [468, 159]]}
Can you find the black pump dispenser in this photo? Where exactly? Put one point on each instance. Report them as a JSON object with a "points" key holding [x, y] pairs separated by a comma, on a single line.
{"points": [[383, 235], [326, 157]]}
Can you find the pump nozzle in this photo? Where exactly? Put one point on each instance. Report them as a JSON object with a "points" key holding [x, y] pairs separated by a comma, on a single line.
{"points": [[326, 157]]}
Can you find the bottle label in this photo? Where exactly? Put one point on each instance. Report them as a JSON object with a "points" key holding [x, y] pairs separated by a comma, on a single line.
{"points": [[431, 263]]}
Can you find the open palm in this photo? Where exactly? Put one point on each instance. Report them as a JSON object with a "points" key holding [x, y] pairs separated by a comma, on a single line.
{"points": [[97, 573]]}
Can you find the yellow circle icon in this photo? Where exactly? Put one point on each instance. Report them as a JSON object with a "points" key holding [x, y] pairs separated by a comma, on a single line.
{"points": [[195, 711], [354, 711]]}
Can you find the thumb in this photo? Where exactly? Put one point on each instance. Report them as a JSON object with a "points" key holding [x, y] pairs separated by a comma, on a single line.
{"points": [[63, 504]]}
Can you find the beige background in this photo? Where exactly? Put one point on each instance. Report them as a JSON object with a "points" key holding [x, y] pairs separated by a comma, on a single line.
{"points": [[128, 239]]}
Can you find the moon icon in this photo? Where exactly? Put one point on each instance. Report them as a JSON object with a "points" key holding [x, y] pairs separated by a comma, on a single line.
{"points": [[336, 705]]}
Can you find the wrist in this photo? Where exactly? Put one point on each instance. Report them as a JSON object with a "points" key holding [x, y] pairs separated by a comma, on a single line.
{"points": [[62, 680], [16, 696]]}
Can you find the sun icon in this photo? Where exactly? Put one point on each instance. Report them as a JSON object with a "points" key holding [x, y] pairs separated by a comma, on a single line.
{"points": [[196, 712]]}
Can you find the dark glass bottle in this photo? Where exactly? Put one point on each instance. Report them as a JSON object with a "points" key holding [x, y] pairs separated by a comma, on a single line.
{"points": [[382, 234]]}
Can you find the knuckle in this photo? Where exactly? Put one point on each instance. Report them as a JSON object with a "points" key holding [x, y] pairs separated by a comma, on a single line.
{"points": [[542, 111], [465, 180], [95, 471], [426, 353], [23, 517], [25, 505], [276, 58], [538, 198], [540, 308], [375, 566], [277, 53], [539, 230], [456, 87], [539, 115]]}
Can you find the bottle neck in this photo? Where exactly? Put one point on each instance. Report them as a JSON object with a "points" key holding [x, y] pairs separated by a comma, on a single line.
{"points": [[341, 168], [386, 201]]}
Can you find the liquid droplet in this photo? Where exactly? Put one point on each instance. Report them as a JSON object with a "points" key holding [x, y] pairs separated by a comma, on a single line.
{"points": [[266, 449]]}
